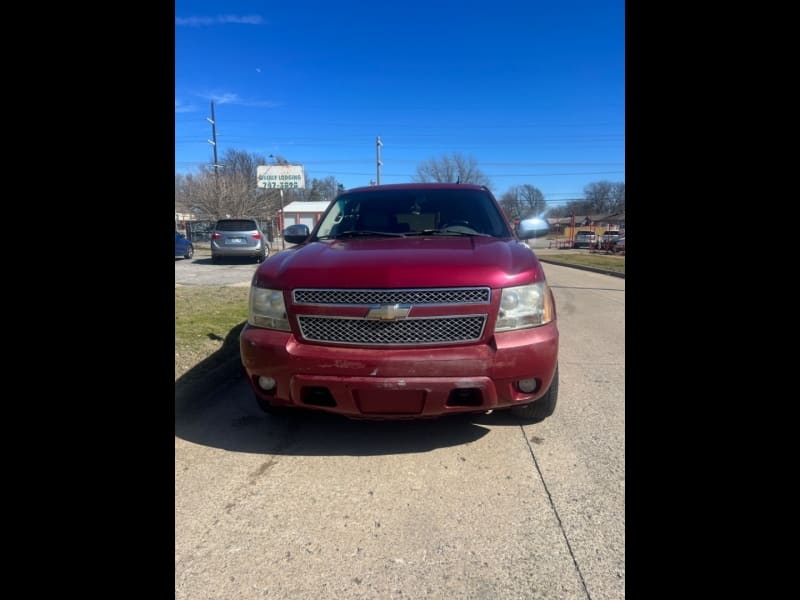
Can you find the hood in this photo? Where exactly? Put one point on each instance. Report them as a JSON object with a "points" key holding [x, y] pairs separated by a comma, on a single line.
{"points": [[402, 262]]}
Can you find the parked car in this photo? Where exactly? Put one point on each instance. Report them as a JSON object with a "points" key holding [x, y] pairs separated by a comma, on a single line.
{"points": [[238, 238], [608, 240], [620, 246], [584, 239], [405, 301], [183, 247]]}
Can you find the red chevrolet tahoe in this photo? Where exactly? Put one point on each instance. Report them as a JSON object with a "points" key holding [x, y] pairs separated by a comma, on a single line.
{"points": [[405, 301]]}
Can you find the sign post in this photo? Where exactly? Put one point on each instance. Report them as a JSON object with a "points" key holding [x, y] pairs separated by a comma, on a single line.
{"points": [[280, 177]]}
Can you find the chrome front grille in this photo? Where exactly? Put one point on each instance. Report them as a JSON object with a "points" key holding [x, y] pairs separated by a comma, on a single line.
{"points": [[434, 330], [411, 296]]}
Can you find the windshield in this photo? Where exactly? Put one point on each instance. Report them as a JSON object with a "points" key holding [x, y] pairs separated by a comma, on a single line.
{"points": [[413, 212]]}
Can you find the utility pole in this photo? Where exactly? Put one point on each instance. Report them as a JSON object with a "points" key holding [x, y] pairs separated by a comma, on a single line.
{"points": [[213, 140], [378, 145], [281, 223]]}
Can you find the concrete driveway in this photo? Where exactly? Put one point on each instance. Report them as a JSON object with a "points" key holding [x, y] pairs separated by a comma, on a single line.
{"points": [[200, 270]]}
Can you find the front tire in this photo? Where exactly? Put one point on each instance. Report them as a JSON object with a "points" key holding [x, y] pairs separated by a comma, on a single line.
{"points": [[189, 252], [541, 408]]}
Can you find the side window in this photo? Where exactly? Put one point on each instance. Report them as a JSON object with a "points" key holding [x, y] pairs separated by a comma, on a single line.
{"points": [[332, 222]]}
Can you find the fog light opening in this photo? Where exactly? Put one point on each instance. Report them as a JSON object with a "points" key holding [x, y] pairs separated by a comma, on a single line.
{"points": [[527, 386], [465, 397], [267, 383], [317, 396]]}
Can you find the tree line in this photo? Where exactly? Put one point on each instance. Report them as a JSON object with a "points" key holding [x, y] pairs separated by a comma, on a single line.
{"points": [[230, 190]]}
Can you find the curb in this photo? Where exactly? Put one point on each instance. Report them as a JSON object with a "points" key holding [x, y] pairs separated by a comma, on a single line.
{"points": [[582, 267]]}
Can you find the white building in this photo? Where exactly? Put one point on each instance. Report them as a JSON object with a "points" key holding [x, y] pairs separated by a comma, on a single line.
{"points": [[305, 213]]}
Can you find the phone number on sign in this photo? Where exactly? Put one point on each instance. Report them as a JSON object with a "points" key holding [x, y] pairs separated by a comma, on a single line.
{"points": [[280, 184]]}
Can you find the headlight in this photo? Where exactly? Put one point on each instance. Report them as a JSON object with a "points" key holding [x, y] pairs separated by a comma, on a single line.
{"points": [[524, 306], [267, 309]]}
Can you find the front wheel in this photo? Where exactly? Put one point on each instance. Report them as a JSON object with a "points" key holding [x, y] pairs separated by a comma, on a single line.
{"points": [[189, 252], [541, 408]]}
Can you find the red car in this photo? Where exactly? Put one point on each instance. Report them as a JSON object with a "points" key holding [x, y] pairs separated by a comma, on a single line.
{"points": [[405, 301]]}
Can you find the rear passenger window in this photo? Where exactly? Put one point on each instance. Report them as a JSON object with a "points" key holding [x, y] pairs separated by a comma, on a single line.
{"points": [[236, 225]]}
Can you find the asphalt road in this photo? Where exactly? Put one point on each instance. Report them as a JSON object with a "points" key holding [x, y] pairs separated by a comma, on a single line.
{"points": [[478, 507]]}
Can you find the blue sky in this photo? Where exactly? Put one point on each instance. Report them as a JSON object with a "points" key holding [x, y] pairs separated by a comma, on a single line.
{"points": [[533, 90]]}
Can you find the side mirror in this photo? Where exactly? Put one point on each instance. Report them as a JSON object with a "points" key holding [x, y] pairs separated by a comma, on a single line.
{"points": [[296, 234], [532, 228]]}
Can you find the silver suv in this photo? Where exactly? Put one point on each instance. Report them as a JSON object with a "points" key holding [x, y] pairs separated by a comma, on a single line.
{"points": [[584, 239], [238, 238], [609, 239]]}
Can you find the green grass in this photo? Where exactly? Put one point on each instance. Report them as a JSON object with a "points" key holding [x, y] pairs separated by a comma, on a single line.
{"points": [[602, 261], [207, 322]]}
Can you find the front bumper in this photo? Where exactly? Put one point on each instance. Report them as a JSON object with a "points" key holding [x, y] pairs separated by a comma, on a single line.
{"points": [[398, 383]]}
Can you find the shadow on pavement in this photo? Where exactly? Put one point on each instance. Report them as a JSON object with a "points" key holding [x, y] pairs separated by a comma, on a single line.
{"points": [[214, 406], [238, 260], [194, 389], [319, 434], [230, 420]]}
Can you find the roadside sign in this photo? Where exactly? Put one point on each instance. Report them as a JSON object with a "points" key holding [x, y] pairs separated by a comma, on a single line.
{"points": [[281, 177]]}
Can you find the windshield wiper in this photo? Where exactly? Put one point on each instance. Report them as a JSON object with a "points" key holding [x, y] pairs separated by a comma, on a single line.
{"points": [[446, 232], [361, 233]]}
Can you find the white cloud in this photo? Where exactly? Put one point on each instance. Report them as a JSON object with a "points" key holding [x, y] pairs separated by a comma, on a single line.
{"points": [[226, 98], [231, 98], [220, 20], [261, 103], [247, 20], [180, 107]]}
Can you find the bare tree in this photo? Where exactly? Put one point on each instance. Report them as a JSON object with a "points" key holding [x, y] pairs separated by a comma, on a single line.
{"points": [[533, 200], [599, 196], [523, 201], [196, 194], [618, 197], [323, 189], [182, 194], [511, 204], [451, 169], [230, 191], [567, 208]]}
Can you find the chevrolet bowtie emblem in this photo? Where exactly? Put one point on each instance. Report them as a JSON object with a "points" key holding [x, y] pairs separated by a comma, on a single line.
{"points": [[389, 312]]}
